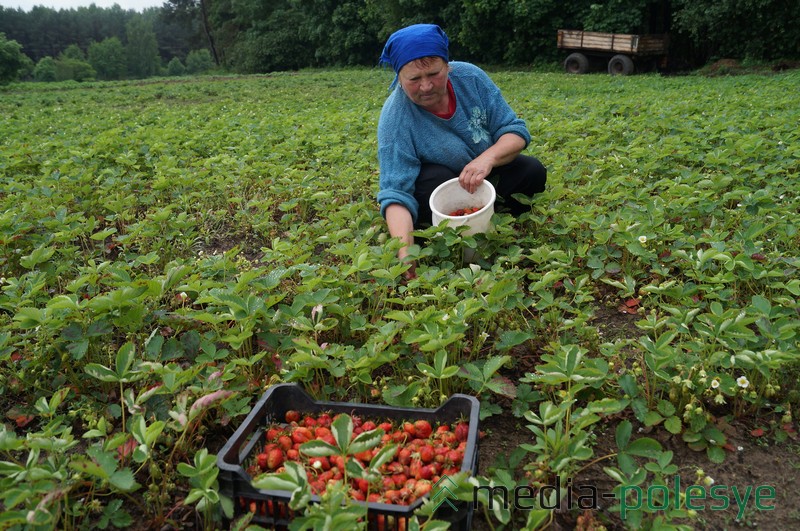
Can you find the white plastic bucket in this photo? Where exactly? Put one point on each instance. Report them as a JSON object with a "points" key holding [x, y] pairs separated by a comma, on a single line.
{"points": [[450, 196]]}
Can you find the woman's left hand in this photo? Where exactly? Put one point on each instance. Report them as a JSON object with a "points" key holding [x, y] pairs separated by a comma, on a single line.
{"points": [[501, 152], [473, 175]]}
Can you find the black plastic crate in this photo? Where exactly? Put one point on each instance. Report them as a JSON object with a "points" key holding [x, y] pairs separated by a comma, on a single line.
{"points": [[272, 505]]}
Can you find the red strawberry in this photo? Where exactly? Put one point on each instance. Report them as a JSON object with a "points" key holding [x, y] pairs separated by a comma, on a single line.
{"points": [[285, 443], [404, 456], [426, 472], [422, 488], [440, 454], [423, 429], [301, 435], [414, 468], [426, 454], [455, 457], [274, 458], [395, 468], [462, 431], [321, 432], [448, 438], [292, 416], [338, 461], [365, 456], [269, 446]]}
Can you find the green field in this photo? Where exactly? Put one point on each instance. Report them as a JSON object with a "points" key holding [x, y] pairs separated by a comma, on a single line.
{"points": [[169, 249]]}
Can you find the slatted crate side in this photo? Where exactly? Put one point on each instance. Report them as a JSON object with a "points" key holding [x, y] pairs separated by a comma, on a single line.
{"points": [[271, 507]]}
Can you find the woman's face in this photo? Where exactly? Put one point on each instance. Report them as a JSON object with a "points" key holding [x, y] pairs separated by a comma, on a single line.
{"points": [[425, 82]]}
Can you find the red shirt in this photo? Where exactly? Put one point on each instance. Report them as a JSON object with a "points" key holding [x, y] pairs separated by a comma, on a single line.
{"points": [[451, 107]]}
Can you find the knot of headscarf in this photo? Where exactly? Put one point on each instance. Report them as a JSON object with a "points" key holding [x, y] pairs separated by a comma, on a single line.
{"points": [[414, 42]]}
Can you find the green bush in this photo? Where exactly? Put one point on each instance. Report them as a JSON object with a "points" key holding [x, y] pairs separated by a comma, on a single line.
{"points": [[12, 60], [73, 69], [45, 69], [175, 67], [108, 58], [73, 51], [199, 61]]}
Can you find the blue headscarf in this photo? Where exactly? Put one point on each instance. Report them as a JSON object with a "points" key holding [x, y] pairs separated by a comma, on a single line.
{"points": [[414, 42]]}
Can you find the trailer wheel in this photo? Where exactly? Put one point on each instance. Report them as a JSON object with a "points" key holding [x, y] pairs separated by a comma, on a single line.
{"points": [[620, 65], [576, 63]]}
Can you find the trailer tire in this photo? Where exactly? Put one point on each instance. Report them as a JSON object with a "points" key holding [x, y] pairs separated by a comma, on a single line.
{"points": [[576, 63], [620, 65]]}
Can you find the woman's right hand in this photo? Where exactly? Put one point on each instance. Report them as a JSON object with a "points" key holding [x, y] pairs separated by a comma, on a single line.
{"points": [[401, 225]]}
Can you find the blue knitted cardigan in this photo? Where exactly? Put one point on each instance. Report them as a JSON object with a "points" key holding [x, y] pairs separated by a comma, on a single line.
{"points": [[409, 136]]}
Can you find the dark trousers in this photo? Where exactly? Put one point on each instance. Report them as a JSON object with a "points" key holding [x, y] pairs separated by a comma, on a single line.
{"points": [[523, 175]]}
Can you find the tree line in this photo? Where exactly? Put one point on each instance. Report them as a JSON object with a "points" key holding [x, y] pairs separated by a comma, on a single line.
{"points": [[97, 43], [251, 36]]}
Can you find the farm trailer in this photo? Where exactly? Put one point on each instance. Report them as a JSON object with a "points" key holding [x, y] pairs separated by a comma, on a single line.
{"points": [[622, 51]]}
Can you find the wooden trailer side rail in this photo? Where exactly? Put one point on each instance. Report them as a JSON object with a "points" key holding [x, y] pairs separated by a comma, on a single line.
{"points": [[613, 42]]}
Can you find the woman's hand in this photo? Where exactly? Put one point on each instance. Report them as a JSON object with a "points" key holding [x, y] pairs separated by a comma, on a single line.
{"points": [[401, 225], [502, 152], [474, 173]]}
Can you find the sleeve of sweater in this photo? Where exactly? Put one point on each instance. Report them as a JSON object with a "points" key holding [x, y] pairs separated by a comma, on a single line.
{"points": [[399, 170], [502, 118], [399, 163]]}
